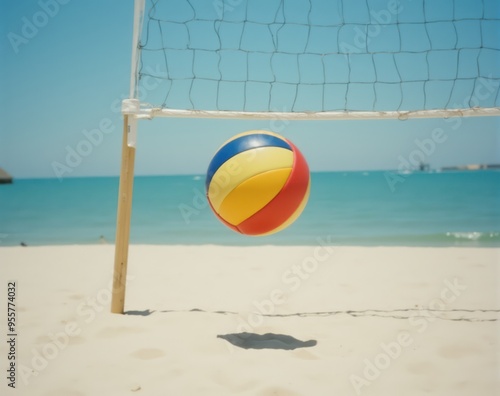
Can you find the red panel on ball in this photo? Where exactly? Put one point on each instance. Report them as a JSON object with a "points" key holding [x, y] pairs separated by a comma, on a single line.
{"points": [[278, 210]]}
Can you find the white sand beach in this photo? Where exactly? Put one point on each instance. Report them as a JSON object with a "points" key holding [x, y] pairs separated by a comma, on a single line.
{"points": [[364, 320]]}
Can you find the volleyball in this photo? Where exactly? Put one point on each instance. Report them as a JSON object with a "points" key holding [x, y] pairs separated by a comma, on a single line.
{"points": [[258, 183]]}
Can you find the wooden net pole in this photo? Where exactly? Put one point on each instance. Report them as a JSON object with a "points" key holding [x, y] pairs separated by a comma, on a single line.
{"points": [[123, 221]]}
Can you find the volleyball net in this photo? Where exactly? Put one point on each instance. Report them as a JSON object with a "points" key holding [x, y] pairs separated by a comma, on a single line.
{"points": [[304, 60]]}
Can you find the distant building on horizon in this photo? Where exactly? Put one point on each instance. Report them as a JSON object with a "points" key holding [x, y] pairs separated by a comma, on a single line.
{"points": [[471, 167]]}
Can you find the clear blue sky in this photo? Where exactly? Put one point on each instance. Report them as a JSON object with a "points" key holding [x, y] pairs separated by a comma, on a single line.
{"points": [[70, 75]]}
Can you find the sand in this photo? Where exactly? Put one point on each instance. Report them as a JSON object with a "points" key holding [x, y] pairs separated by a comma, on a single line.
{"points": [[308, 321]]}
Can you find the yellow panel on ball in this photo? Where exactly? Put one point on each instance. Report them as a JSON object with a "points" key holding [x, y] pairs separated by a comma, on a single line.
{"points": [[242, 167], [252, 195]]}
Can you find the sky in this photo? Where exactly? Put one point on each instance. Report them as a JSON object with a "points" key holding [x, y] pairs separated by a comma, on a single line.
{"points": [[62, 82]]}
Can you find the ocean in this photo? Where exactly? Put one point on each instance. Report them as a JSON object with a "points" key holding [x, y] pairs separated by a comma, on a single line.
{"points": [[345, 208]]}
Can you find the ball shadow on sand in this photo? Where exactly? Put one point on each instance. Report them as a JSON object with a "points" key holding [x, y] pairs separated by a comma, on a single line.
{"points": [[266, 341]]}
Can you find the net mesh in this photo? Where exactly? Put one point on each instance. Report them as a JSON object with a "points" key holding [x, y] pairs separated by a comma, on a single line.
{"points": [[320, 55]]}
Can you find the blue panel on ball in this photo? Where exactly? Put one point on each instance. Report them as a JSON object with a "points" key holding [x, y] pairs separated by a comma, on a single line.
{"points": [[239, 145]]}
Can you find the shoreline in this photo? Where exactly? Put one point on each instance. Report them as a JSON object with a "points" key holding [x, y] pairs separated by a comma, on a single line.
{"points": [[91, 244]]}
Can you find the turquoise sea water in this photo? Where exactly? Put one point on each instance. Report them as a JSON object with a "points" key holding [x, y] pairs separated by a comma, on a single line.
{"points": [[345, 208]]}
